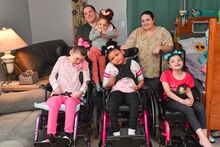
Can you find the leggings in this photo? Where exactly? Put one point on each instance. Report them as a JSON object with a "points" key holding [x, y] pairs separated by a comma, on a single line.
{"points": [[118, 98], [54, 104], [98, 64], [195, 114]]}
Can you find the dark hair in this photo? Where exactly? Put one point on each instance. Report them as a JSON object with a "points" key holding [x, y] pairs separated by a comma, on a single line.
{"points": [[92, 7], [83, 51], [110, 46], [106, 17], [147, 13]]}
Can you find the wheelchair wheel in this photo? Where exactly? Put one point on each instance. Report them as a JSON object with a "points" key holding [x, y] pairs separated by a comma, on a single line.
{"points": [[95, 122], [40, 131], [153, 111]]}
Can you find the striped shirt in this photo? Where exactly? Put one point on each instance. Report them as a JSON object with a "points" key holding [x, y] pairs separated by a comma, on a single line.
{"points": [[66, 75], [124, 84]]}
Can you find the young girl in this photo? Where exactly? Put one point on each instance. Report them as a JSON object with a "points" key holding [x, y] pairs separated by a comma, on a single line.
{"points": [[65, 78], [125, 78], [99, 35], [177, 86]]}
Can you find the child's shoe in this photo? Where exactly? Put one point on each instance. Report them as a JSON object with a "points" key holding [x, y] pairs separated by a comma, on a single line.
{"points": [[50, 138], [69, 137], [131, 131], [98, 87], [116, 133]]}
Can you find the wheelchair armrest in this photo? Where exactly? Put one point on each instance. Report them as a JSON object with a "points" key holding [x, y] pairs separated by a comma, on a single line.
{"points": [[198, 90], [46, 87]]}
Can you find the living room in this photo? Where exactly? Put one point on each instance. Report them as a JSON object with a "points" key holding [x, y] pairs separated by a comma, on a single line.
{"points": [[37, 21]]}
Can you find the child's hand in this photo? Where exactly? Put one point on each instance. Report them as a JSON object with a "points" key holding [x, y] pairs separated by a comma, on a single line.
{"points": [[104, 31], [135, 87], [187, 102], [191, 100], [57, 90], [99, 29], [76, 94], [112, 79]]}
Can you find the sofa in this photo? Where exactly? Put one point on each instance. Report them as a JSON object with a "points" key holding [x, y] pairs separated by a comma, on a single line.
{"points": [[17, 112]]}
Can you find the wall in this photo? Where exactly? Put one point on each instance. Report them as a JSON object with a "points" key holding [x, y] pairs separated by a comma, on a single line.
{"points": [[51, 19], [15, 14], [119, 19]]}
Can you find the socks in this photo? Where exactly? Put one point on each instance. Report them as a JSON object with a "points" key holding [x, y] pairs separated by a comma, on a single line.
{"points": [[131, 131], [116, 133]]}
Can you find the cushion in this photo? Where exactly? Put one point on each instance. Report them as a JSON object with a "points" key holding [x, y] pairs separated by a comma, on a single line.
{"points": [[44, 106], [189, 45], [20, 101]]}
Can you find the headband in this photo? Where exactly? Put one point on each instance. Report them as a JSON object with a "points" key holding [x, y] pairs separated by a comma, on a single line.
{"points": [[170, 54]]}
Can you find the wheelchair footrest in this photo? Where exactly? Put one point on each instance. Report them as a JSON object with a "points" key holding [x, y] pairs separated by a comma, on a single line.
{"points": [[119, 141], [58, 142]]}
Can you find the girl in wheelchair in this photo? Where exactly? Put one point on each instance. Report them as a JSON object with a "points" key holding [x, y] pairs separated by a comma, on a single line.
{"points": [[64, 78], [124, 78], [178, 96]]}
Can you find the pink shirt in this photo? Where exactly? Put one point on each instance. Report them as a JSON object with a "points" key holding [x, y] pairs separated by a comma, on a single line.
{"points": [[125, 84], [168, 77], [68, 75]]}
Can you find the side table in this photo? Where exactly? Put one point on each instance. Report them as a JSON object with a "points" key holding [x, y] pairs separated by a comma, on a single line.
{"points": [[15, 86]]}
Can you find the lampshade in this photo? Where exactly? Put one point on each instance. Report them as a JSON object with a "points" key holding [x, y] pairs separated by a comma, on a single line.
{"points": [[9, 40]]}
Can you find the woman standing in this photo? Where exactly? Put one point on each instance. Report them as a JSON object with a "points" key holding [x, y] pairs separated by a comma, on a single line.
{"points": [[150, 40]]}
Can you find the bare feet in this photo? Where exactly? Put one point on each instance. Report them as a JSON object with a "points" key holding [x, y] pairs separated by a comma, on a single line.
{"points": [[205, 143]]}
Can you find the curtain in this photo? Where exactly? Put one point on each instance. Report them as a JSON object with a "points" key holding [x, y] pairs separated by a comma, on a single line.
{"points": [[165, 11], [77, 13]]}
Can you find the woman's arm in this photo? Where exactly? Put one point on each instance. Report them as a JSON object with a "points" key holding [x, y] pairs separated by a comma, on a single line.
{"points": [[94, 33], [111, 34], [86, 77], [131, 40]]}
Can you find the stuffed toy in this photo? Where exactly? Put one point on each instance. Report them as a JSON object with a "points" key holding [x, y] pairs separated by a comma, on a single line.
{"points": [[199, 47]]}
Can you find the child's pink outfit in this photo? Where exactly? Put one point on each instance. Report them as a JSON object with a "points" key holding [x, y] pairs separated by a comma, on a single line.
{"points": [[66, 76], [95, 55]]}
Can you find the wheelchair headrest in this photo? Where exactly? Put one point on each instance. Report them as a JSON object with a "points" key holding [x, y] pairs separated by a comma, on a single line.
{"points": [[130, 52]]}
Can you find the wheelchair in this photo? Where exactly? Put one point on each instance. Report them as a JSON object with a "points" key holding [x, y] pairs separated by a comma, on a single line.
{"points": [[142, 136], [82, 123], [165, 119]]}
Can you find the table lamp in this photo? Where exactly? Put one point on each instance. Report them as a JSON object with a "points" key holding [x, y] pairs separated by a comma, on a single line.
{"points": [[9, 40]]}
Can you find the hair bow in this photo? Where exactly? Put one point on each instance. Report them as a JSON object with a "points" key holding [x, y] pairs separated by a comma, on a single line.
{"points": [[175, 52], [105, 13], [83, 43], [167, 55], [110, 47]]}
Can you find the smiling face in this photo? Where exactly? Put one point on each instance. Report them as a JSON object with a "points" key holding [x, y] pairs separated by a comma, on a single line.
{"points": [[147, 22], [103, 24], [175, 62], [76, 57], [89, 14], [116, 57]]}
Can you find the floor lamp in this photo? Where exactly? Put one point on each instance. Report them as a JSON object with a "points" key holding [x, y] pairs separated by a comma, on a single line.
{"points": [[9, 40]]}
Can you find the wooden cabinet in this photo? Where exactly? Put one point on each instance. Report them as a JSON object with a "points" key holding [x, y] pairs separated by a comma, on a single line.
{"points": [[213, 77]]}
